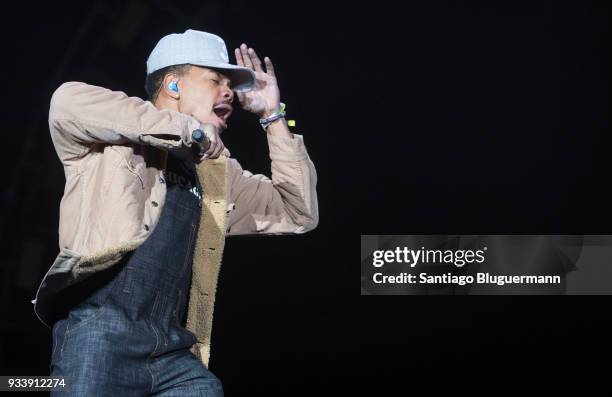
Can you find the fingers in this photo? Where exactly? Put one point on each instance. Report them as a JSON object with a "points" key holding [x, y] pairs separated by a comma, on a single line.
{"points": [[238, 55], [245, 56], [213, 152], [216, 144], [255, 60], [215, 149], [269, 67]]}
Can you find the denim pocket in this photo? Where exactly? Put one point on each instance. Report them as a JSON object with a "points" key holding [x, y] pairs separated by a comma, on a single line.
{"points": [[84, 315], [92, 296], [57, 340]]}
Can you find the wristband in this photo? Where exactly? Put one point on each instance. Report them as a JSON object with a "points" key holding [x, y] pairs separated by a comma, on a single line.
{"points": [[265, 122]]}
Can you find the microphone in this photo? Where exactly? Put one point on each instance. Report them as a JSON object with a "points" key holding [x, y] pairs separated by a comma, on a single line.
{"points": [[201, 143]]}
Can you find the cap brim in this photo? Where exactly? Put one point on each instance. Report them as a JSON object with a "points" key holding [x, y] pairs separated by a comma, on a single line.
{"points": [[242, 79]]}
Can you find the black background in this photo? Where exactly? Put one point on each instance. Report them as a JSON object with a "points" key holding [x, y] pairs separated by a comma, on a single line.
{"points": [[446, 117]]}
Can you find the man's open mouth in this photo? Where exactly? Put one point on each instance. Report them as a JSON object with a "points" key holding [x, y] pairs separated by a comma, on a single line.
{"points": [[223, 111]]}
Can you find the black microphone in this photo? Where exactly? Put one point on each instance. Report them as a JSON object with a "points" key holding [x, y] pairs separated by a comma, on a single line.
{"points": [[201, 143]]}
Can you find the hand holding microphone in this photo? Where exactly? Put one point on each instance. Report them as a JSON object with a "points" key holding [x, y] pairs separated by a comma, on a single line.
{"points": [[200, 142], [206, 142]]}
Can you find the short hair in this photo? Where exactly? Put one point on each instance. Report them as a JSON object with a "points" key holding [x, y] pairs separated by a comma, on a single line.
{"points": [[154, 80]]}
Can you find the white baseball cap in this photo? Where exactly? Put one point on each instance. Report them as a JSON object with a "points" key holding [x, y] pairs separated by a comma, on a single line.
{"points": [[200, 49]]}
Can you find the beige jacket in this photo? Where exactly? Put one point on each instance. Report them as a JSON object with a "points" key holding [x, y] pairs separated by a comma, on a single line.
{"points": [[114, 149]]}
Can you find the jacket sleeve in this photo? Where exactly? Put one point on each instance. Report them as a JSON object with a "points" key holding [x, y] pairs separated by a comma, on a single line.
{"points": [[285, 204], [81, 115]]}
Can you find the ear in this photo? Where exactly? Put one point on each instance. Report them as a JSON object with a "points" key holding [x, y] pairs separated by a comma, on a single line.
{"points": [[169, 78]]}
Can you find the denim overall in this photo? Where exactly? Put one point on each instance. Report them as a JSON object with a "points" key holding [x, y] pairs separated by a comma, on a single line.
{"points": [[125, 334]]}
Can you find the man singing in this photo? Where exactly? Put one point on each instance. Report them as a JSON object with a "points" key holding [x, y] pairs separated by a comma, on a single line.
{"points": [[146, 210]]}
